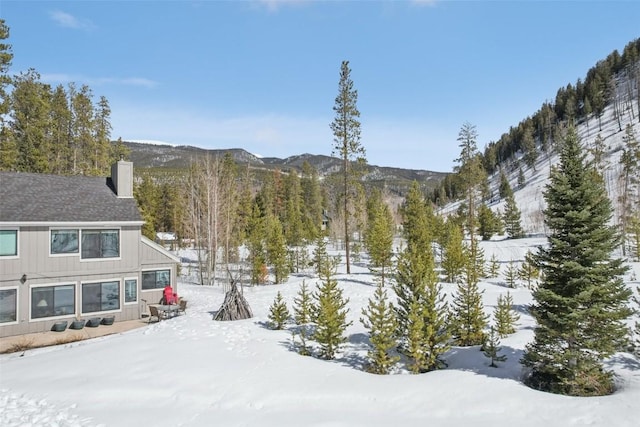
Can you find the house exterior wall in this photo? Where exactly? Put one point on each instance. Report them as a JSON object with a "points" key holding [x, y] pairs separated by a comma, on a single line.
{"points": [[154, 257], [42, 269]]}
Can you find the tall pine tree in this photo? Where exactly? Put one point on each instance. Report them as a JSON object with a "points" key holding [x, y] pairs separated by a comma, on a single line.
{"points": [[346, 132], [582, 303]]}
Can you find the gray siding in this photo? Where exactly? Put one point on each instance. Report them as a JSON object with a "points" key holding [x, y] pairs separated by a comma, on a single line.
{"points": [[41, 268]]}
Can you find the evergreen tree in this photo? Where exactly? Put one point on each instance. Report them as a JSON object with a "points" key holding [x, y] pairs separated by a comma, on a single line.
{"points": [[30, 102], [293, 223], [454, 260], [346, 132], [494, 266], [582, 303], [303, 315], [504, 317], [637, 325], [379, 319], [629, 199], [278, 312], [511, 274], [492, 348], [418, 221], [488, 222], [331, 316], [416, 337], [598, 152], [511, 218], [323, 263], [469, 319], [311, 201], [82, 127], [528, 271], [276, 249], [411, 275], [379, 240], [436, 336], [521, 178], [256, 233], [420, 302], [148, 198], [471, 173], [303, 306], [8, 146], [60, 119], [474, 265], [505, 188], [529, 146]]}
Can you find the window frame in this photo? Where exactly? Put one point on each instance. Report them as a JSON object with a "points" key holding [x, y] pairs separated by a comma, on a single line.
{"points": [[100, 282], [17, 306], [53, 286], [155, 270], [124, 291], [17, 231], [63, 254], [100, 231]]}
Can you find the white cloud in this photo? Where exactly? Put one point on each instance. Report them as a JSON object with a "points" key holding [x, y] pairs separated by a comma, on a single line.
{"points": [[61, 78], [67, 20]]}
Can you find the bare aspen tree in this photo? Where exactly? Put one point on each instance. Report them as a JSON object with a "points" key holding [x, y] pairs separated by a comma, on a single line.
{"points": [[206, 213]]}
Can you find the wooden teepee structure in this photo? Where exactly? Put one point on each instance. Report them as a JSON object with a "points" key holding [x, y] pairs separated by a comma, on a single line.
{"points": [[235, 306]]}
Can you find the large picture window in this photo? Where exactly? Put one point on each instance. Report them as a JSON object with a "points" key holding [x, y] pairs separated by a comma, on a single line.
{"points": [[130, 290], [64, 241], [156, 279], [50, 301], [8, 305], [104, 296], [8, 242], [100, 244]]}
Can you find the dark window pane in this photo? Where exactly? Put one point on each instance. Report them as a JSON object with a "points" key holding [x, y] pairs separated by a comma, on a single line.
{"points": [[91, 300], [8, 305], [100, 244], [64, 241], [90, 244], [130, 290], [155, 279], [100, 296], [49, 301]]}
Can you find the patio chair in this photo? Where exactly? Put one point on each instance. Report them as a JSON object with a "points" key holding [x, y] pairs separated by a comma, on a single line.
{"points": [[153, 312], [183, 306]]}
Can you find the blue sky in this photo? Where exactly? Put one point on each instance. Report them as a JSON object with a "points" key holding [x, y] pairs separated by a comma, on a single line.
{"points": [[263, 75]]}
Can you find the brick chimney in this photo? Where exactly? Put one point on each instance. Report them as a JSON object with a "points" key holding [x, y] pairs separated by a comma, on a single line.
{"points": [[122, 178]]}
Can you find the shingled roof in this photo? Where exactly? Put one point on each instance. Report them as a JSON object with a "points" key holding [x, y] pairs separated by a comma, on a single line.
{"points": [[31, 197]]}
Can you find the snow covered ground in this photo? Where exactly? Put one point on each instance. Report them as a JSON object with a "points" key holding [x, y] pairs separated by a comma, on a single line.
{"points": [[192, 371]]}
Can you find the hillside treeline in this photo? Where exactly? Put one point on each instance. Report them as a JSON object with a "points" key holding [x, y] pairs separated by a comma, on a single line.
{"points": [[613, 81]]}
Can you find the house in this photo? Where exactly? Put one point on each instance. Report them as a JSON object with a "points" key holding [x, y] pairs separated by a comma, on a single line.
{"points": [[71, 247]]}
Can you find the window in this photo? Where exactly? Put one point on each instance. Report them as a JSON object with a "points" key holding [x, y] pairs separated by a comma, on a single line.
{"points": [[100, 244], [8, 242], [8, 305], [104, 296], [156, 279], [130, 290], [50, 301], [64, 241]]}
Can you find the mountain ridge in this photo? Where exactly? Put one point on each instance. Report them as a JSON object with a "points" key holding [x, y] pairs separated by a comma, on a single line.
{"points": [[150, 155]]}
